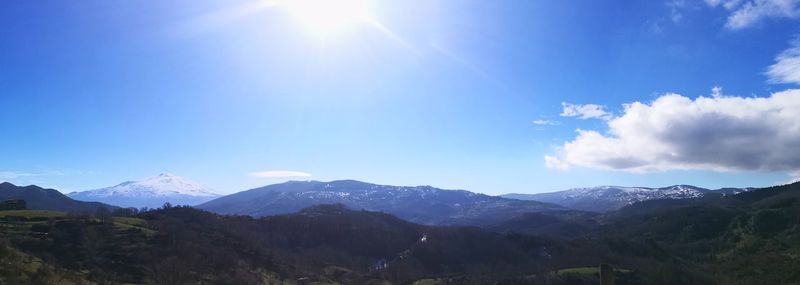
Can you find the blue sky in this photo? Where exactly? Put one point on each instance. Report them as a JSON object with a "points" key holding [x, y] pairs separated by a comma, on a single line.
{"points": [[479, 95]]}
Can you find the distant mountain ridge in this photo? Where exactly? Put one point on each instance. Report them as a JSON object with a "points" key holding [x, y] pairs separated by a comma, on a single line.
{"points": [[609, 198], [38, 198], [419, 204], [151, 192]]}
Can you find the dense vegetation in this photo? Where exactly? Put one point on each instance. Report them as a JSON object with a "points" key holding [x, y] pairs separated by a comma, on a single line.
{"points": [[327, 244], [750, 238]]}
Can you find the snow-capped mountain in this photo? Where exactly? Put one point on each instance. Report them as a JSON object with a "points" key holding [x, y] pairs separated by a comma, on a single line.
{"points": [[420, 204], [151, 192], [609, 198]]}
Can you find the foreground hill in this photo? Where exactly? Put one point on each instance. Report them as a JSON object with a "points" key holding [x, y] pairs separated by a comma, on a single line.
{"points": [[151, 192], [747, 238], [38, 198], [327, 244], [419, 204], [609, 198]]}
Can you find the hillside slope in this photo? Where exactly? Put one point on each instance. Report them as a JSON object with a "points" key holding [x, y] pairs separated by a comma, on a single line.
{"points": [[419, 204], [747, 238], [38, 198]]}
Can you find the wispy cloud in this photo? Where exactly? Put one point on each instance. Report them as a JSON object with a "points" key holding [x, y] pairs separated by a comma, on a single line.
{"points": [[543, 122], [15, 174], [44, 178], [746, 13], [587, 111], [787, 66], [675, 9], [280, 174]]}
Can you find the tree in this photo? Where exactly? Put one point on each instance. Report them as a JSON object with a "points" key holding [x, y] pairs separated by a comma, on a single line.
{"points": [[125, 212], [103, 214]]}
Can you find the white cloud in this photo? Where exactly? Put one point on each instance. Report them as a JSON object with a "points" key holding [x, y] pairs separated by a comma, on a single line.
{"points": [[787, 66], [543, 122], [588, 111], [280, 174], [555, 163], [721, 133], [745, 13]]}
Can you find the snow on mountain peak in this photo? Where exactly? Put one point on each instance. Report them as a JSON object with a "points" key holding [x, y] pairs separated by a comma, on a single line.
{"points": [[609, 197], [164, 184], [150, 192]]}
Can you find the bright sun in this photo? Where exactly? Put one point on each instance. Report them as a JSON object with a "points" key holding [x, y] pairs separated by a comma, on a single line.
{"points": [[326, 17]]}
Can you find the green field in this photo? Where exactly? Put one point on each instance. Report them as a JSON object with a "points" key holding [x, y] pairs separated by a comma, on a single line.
{"points": [[36, 227], [32, 214], [130, 221], [21, 227], [124, 223]]}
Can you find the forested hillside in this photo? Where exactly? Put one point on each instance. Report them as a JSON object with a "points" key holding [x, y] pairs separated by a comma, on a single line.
{"points": [[747, 238]]}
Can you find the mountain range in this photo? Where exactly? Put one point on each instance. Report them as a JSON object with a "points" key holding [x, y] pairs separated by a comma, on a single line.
{"points": [[747, 238], [538, 213], [152, 192], [420, 204], [671, 235], [609, 198]]}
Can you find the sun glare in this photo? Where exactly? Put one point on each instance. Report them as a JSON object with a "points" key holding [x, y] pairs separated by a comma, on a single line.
{"points": [[326, 17]]}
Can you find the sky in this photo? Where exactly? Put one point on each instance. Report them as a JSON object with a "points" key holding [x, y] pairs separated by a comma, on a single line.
{"points": [[488, 96]]}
